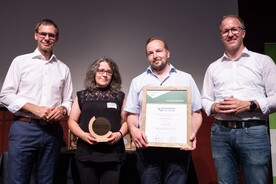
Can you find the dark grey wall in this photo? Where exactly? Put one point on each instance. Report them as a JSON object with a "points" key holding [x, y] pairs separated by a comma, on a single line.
{"points": [[118, 29]]}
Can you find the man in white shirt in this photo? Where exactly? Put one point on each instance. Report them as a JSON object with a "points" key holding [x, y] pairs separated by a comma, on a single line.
{"points": [[239, 89], [38, 90]]}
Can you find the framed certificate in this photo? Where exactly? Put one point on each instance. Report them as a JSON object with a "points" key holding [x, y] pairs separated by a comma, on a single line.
{"points": [[166, 116]]}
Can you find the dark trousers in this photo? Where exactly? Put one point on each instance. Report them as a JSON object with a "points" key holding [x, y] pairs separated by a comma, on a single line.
{"points": [[33, 145], [163, 165], [99, 172]]}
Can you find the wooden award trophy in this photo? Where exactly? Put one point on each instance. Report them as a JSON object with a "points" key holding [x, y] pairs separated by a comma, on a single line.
{"points": [[100, 128]]}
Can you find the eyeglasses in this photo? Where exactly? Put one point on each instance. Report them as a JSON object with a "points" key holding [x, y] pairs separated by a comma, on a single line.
{"points": [[43, 35], [234, 30], [102, 71]]}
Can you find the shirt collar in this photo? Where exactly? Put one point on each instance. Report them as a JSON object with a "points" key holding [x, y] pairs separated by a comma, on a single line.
{"points": [[37, 54], [245, 53]]}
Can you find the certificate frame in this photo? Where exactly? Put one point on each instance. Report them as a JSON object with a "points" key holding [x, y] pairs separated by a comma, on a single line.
{"points": [[163, 105]]}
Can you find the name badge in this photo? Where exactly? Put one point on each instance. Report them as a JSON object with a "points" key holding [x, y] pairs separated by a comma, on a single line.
{"points": [[111, 105]]}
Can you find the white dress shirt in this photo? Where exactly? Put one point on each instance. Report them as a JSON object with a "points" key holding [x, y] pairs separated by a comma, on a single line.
{"points": [[250, 77], [32, 79]]}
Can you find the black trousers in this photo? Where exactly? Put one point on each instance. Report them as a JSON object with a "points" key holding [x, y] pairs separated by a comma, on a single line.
{"points": [[99, 172]]}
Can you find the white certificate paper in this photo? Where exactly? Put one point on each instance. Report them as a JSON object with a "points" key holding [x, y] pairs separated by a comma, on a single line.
{"points": [[165, 123], [166, 116]]}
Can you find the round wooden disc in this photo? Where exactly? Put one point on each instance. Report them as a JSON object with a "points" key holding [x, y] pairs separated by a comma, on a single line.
{"points": [[100, 128]]}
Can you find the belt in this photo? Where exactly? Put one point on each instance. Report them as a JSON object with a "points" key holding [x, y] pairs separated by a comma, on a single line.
{"points": [[33, 120], [240, 124]]}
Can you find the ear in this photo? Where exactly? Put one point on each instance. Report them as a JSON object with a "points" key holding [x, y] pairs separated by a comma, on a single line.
{"points": [[35, 36], [220, 37], [243, 34], [168, 53]]}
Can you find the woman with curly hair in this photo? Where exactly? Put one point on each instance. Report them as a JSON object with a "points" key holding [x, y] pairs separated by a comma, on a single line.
{"points": [[100, 162]]}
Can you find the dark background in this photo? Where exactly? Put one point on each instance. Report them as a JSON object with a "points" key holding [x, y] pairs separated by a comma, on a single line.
{"points": [[260, 23]]}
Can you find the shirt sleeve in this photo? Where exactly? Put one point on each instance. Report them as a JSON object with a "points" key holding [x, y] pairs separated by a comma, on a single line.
{"points": [[207, 97], [268, 104], [9, 90], [67, 92], [196, 98], [132, 103]]}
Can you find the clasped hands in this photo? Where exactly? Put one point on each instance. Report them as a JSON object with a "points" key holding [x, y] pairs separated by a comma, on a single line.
{"points": [[50, 113], [230, 105]]}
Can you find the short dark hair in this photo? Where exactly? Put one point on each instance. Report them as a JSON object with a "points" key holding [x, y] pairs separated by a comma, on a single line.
{"points": [[234, 16], [47, 22], [157, 38], [116, 81]]}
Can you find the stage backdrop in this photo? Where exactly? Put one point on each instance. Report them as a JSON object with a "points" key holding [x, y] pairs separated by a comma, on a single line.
{"points": [[270, 49], [90, 29]]}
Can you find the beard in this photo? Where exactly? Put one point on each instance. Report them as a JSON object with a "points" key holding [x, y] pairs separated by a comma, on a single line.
{"points": [[160, 67]]}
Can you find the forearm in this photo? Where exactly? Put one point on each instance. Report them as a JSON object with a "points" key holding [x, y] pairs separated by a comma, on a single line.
{"points": [[29, 107], [132, 121], [124, 128], [138, 136], [75, 128], [196, 121]]}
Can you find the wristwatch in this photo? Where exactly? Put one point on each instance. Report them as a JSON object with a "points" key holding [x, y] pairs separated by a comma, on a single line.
{"points": [[253, 106], [64, 111]]}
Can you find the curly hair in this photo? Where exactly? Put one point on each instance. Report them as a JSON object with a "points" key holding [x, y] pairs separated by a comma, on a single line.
{"points": [[116, 81]]}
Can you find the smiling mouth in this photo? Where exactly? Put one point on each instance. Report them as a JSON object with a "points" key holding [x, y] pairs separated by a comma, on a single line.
{"points": [[231, 41], [157, 61]]}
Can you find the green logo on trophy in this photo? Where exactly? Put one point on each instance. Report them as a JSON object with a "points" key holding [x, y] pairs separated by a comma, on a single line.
{"points": [[100, 128]]}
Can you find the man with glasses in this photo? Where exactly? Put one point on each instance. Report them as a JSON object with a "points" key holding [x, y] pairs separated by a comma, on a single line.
{"points": [[38, 90], [240, 92]]}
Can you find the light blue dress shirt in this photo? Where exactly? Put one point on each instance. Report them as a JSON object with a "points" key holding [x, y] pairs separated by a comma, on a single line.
{"points": [[174, 78]]}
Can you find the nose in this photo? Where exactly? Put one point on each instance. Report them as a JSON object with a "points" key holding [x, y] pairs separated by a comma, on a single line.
{"points": [[105, 74], [47, 37], [230, 33]]}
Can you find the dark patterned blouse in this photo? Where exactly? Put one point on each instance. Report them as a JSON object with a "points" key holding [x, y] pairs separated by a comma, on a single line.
{"points": [[100, 103]]}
